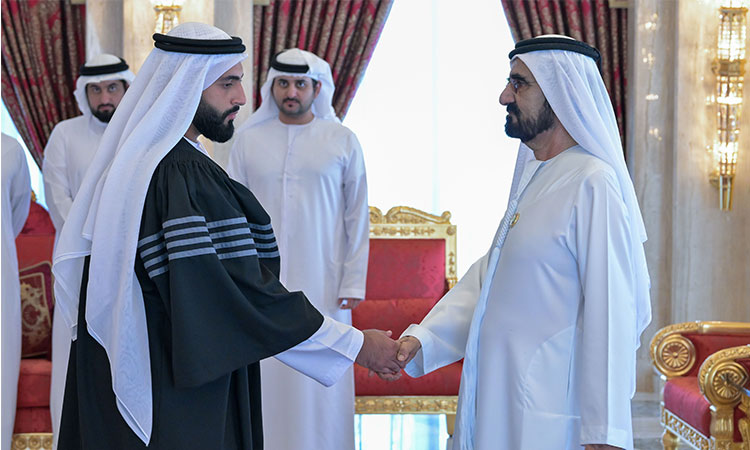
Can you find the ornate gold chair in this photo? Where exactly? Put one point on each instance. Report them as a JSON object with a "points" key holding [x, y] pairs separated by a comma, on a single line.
{"points": [[704, 366], [412, 264]]}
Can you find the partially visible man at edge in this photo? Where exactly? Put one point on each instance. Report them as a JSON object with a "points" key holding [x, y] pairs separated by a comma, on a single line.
{"points": [[549, 320], [71, 147], [173, 308], [16, 200]]}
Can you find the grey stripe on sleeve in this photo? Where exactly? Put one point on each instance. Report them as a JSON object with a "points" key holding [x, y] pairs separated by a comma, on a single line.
{"points": [[181, 220]]}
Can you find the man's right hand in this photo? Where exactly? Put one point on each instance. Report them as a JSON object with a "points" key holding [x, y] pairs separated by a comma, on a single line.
{"points": [[408, 348]]}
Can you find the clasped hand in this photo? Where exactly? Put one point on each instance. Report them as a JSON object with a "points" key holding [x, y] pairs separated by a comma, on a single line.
{"points": [[384, 356]]}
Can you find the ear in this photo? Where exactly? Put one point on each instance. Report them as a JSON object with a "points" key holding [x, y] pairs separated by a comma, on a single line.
{"points": [[317, 88]]}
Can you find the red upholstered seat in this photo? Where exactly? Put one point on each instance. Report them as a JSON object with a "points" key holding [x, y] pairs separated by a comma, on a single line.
{"points": [[683, 397], [32, 409], [406, 268]]}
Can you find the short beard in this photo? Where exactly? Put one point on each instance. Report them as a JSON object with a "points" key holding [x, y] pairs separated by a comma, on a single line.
{"points": [[528, 129], [104, 116], [303, 108], [210, 122]]}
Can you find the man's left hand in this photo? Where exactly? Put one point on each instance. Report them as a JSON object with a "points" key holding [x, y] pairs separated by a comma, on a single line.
{"points": [[349, 303]]}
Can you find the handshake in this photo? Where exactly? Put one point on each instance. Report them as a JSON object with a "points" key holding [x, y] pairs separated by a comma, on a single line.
{"points": [[384, 356]]}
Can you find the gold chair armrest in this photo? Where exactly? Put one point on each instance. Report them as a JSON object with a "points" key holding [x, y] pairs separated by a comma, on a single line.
{"points": [[674, 355], [718, 376]]}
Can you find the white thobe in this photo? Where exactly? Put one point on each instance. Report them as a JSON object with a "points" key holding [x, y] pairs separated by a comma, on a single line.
{"points": [[16, 193], [67, 156], [556, 355], [311, 180]]}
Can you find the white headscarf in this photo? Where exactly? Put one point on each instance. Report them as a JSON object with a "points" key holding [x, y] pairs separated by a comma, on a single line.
{"points": [[574, 88], [318, 70], [105, 217], [103, 59]]}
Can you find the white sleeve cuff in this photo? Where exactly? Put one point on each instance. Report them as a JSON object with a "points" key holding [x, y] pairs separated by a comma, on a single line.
{"points": [[616, 437], [417, 367], [327, 354]]}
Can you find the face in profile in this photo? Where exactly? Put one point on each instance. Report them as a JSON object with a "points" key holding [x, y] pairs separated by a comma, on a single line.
{"points": [[104, 97], [529, 113], [219, 106]]}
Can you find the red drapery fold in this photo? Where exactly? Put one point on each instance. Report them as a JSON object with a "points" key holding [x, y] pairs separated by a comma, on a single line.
{"points": [[343, 32], [43, 48], [591, 21]]}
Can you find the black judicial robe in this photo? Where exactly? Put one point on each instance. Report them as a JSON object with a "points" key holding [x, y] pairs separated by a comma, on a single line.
{"points": [[208, 266]]}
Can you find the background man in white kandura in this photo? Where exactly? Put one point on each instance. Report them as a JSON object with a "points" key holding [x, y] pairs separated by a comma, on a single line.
{"points": [[549, 320], [71, 147], [308, 171], [16, 199]]}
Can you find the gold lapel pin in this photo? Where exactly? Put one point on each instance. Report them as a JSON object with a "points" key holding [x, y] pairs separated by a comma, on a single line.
{"points": [[515, 219]]}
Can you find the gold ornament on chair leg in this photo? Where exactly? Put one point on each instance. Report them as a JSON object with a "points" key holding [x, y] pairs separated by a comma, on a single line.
{"points": [[729, 68]]}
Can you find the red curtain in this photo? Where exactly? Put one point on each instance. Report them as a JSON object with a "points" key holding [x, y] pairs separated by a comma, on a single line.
{"points": [[591, 21], [43, 48], [343, 32]]}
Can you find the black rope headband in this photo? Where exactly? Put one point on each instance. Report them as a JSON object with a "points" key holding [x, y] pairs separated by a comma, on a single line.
{"points": [[284, 67], [555, 43], [103, 70], [198, 46]]}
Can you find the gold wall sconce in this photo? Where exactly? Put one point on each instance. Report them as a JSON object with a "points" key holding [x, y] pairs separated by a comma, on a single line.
{"points": [[167, 14], [729, 67]]}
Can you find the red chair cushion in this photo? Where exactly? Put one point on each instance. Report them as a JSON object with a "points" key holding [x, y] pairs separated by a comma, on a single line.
{"points": [[444, 381], [406, 268], [708, 344], [34, 383], [32, 407], [395, 314], [36, 309], [38, 221], [683, 398], [405, 278]]}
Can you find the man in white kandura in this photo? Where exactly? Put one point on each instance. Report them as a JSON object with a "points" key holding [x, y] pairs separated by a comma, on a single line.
{"points": [[16, 194], [308, 171], [549, 320], [71, 147]]}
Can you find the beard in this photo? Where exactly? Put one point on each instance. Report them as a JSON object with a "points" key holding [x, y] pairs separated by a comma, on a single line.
{"points": [[301, 109], [105, 116], [527, 129], [209, 122]]}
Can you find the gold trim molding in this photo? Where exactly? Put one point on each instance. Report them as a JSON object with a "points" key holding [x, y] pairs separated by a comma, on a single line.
{"points": [[404, 222], [689, 434], [406, 405], [674, 355], [33, 441]]}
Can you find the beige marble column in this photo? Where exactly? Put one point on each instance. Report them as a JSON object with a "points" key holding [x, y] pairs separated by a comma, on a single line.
{"points": [[698, 256], [104, 27]]}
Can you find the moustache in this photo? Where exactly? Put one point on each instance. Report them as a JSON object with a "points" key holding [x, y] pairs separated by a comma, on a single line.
{"points": [[229, 111], [290, 99], [512, 108], [105, 105]]}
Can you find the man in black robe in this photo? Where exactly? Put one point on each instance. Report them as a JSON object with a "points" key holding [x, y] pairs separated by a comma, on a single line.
{"points": [[178, 305]]}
